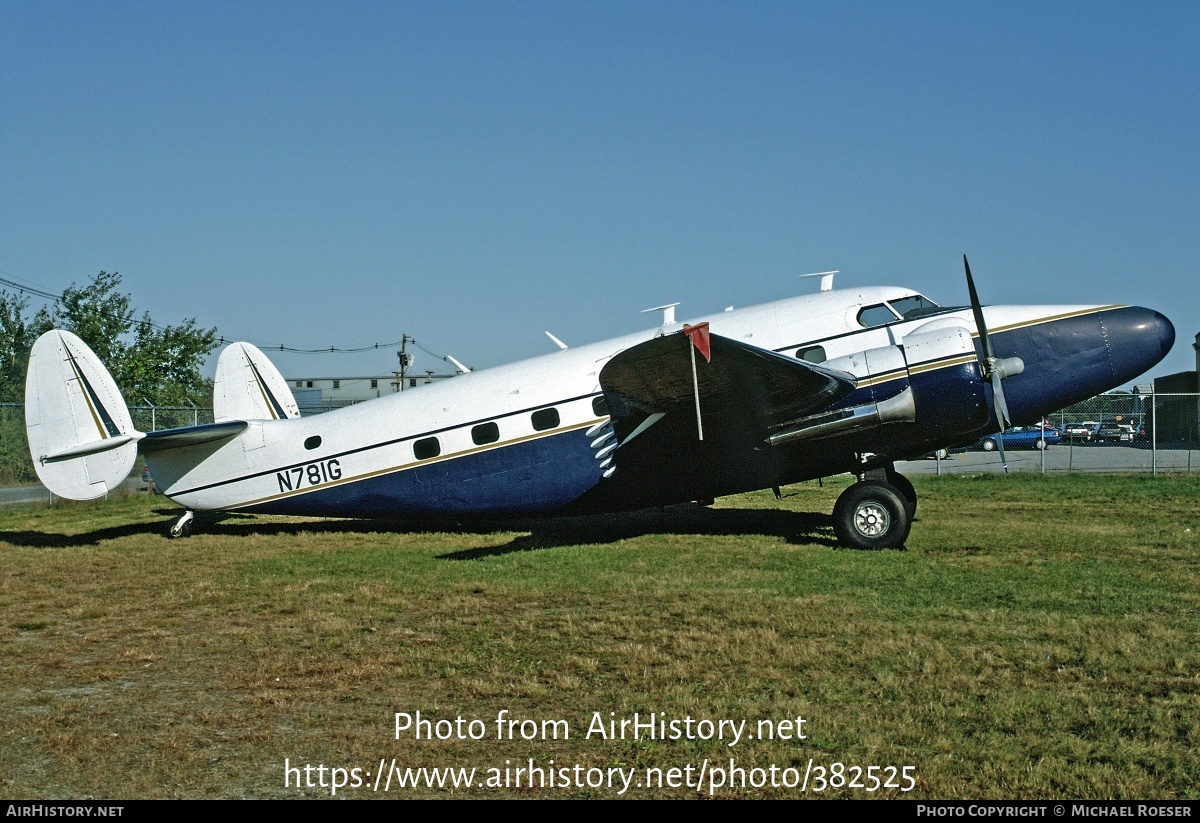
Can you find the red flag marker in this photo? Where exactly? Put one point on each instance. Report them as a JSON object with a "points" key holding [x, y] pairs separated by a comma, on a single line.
{"points": [[698, 334]]}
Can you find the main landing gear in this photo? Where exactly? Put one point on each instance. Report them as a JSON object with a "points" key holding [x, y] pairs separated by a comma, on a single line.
{"points": [[877, 511]]}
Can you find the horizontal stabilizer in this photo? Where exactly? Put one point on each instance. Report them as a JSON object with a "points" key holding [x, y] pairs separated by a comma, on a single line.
{"points": [[191, 436], [247, 386], [95, 447], [81, 437]]}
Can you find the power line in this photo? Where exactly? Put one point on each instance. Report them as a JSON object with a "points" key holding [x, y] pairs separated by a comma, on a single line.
{"points": [[39, 292], [36, 291], [327, 350]]}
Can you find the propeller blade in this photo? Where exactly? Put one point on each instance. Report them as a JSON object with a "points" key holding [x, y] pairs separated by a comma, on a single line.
{"points": [[999, 404], [977, 310], [1001, 408]]}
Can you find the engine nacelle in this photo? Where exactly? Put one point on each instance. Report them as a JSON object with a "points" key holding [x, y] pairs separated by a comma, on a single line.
{"points": [[946, 378]]}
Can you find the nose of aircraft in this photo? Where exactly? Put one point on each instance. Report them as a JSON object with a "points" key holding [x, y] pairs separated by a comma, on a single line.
{"points": [[1137, 339]]}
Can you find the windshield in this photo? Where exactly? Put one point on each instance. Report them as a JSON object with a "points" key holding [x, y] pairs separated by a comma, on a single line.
{"points": [[911, 307]]}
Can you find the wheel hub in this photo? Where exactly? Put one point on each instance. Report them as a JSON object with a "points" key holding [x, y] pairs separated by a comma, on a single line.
{"points": [[871, 519]]}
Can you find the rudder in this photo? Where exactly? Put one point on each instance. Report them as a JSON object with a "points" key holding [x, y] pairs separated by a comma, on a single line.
{"points": [[249, 387], [81, 437]]}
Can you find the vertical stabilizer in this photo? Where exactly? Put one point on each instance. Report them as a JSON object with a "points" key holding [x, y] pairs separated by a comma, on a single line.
{"points": [[249, 387], [81, 437]]}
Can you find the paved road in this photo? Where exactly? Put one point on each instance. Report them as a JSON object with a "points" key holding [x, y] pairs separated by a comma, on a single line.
{"points": [[37, 493], [1064, 458], [13, 495]]}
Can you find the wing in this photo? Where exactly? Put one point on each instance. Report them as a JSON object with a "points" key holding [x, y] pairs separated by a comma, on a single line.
{"points": [[743, 386], [745, 393]]}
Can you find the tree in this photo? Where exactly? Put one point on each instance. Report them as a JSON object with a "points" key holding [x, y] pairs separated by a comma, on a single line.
{"points": [[158, 364], [16, 339]]}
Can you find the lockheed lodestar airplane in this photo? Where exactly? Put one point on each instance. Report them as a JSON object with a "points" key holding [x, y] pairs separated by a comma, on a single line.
{"points": [[847, 380]]}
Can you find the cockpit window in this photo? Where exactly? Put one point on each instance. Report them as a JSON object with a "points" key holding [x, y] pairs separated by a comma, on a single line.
{"points": [[907, 308], [913, 307], [873, 316]]}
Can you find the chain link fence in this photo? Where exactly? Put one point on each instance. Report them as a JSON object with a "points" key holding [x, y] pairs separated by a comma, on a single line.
{"points": [[1124, 432], [16, 466], [1118, 432]]}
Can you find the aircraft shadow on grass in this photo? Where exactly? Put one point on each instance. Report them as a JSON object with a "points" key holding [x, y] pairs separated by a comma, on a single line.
{"points": [[56, 540], [796, 528]]}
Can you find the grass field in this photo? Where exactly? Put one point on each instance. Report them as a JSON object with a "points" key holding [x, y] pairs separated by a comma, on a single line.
{"points": [[1037, 639]]}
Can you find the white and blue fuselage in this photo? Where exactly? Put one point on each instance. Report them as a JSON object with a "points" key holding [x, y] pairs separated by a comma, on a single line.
{"points": [[535, 436]]}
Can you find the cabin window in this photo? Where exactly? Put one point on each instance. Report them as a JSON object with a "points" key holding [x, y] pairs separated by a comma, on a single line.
{"points": [[811, 354], [544, 419], [600, 406], [485, 433], [312, 442], [873, 316], [426, 448]]}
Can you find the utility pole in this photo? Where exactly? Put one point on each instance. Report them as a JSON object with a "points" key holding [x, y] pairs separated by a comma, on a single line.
{"points": [[406, 360]]}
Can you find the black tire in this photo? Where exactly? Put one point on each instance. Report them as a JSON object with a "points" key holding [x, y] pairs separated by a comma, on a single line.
{"points": [[901, 484], [871, 515]]}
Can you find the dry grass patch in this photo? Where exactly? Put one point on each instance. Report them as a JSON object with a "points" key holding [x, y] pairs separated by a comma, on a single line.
{"points": [[1036, 640]]}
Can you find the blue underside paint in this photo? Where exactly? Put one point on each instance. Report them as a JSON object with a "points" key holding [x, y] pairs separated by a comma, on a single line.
{"points": [[531, 477], [1065, 360]]}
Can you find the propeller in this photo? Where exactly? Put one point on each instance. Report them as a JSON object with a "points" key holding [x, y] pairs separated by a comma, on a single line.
{"points": [[994, 368]]}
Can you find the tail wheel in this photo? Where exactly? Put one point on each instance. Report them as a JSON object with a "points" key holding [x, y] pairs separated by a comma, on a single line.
{"points": [[871, 515], [183, 526]]}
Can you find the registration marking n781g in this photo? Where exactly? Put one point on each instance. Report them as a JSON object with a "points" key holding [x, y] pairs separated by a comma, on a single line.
{"points": [[310, 474]]}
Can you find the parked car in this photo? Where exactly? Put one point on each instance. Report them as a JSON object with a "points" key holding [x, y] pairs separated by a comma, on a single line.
{"points": [[1084, 432], [1113, 433], [1023, 437]]}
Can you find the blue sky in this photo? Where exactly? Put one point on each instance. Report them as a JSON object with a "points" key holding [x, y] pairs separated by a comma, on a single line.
{"points": [[475, 173]]}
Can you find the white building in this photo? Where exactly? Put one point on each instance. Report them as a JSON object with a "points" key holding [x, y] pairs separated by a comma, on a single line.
{"points": [[320, 394]]}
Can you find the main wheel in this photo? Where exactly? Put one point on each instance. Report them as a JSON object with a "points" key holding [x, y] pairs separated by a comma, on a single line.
{"points": [[871, 515], [901, 484]]}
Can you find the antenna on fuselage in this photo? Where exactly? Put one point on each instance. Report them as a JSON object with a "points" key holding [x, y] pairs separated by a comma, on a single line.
{"points": [[458, 365], [826, 278], [668, 323], [561, 345]]}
